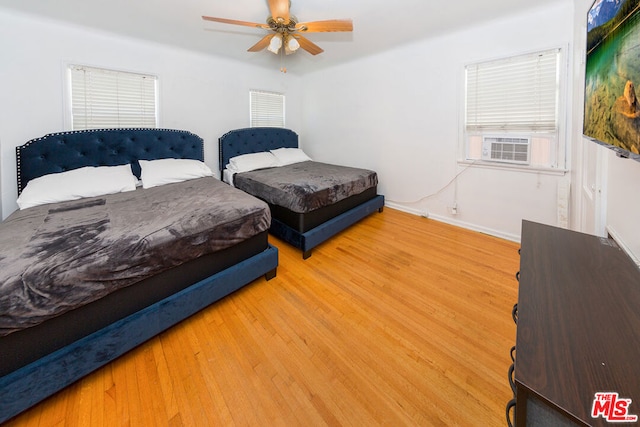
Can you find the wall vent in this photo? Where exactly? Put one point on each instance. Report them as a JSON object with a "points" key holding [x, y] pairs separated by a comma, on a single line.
{"points": [[507, 149]]}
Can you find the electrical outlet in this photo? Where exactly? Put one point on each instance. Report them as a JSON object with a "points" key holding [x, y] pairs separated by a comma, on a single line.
{"points": [[454, 209]]}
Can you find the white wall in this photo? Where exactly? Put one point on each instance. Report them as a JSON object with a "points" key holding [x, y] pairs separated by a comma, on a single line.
{"points": [[623, 203], [202, 94], [399, 113]]}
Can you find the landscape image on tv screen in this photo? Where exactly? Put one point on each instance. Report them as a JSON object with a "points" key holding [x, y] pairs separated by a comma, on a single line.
{"points": [[611, 110]]}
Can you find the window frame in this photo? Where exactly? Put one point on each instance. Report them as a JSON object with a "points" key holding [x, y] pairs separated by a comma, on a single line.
{"points": [[268, 108], [557, 137], [69, 102]]}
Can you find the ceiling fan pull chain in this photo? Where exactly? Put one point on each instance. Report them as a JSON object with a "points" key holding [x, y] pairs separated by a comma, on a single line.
{"points": [[283, 69]]}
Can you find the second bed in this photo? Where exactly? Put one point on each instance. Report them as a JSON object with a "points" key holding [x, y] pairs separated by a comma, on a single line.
{"points": [[310, 201]]}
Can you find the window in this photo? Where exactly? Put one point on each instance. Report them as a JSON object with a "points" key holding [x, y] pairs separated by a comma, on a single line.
{"points": [[512, 109], [267, 109], [103, 98]]}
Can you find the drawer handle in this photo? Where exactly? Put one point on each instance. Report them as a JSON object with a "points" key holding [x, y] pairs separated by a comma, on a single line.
{"points": [[514, 313], [511, 405], [511, 380]]}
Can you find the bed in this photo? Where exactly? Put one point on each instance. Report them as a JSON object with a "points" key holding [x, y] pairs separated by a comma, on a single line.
{"points": [[103, 255], [304, 213]]}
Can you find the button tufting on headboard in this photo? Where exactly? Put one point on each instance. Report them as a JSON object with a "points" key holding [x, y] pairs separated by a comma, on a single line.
{"points": [[253, 140], [62, 151]]}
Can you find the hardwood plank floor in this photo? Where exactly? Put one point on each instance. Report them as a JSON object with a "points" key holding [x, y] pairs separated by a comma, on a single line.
{"points": [[399, 320]]}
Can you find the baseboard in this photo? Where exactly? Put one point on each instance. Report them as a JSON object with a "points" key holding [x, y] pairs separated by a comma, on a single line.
{"points": [[402, 208], [480, 229], [457, 223]]}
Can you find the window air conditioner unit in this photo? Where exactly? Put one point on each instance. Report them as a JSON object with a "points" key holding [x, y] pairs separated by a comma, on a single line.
{"points": [[506, 149]]}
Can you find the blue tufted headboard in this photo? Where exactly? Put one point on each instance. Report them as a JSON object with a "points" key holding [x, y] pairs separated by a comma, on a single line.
{"points": [[254, 140], [59, 152]]}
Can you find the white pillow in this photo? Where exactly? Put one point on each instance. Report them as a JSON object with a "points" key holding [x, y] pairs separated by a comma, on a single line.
{"points": [[89, 181], [166, 171], [287, 156], [252, 161]]}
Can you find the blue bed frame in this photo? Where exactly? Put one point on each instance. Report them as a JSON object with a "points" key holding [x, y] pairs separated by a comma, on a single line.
{"points": [[36, 381], [258, 139]]}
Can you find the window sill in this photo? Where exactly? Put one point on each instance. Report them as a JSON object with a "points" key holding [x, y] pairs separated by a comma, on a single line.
{"points": [[512, 167]]}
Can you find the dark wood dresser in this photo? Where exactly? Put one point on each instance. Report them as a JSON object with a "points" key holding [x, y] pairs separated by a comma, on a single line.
{"points": [[578, 331]]}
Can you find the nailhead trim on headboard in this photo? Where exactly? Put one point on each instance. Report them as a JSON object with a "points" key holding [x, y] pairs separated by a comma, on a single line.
{"points": [[62, 151]]}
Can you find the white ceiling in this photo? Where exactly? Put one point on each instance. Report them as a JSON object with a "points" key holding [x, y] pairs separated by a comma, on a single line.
{"points": [[378, 24]]}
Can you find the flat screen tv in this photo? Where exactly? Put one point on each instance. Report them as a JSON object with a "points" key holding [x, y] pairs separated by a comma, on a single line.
{"points": [[611, 110]]}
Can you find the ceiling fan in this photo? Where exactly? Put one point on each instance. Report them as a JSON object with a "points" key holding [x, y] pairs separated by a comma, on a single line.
{"points": [[286, 31]]}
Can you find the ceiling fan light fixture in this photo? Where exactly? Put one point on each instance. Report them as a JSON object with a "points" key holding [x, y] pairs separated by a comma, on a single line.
{"points": [[285, 31], [291, 45], [275, 44]]}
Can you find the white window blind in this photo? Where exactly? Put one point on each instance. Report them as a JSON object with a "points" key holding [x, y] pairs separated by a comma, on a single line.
{"points": [[517, 97], [514, 94], [267, 109], [102, 98]]}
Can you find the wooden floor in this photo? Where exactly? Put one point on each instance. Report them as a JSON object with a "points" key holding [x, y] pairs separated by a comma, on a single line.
{"points": [[400, 320]]}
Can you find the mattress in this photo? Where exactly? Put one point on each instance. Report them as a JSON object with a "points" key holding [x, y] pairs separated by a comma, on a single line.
{"points": [[306, 186], [62, 256]]}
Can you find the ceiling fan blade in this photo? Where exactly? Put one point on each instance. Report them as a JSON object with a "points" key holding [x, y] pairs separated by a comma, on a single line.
{"points": [[308, 45], [235, 22], [325, 26], [279, 10], [264, 42]]}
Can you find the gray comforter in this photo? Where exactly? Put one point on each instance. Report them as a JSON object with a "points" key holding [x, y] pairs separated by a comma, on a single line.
{"points": [[56, 257], [306, 186]]}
